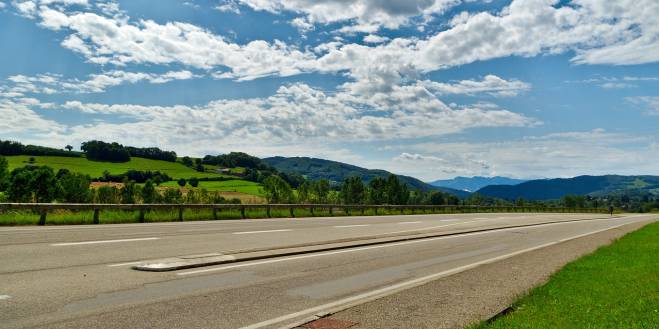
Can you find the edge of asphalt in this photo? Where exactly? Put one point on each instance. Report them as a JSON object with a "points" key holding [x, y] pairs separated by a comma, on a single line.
{"points": [[212, 259]]}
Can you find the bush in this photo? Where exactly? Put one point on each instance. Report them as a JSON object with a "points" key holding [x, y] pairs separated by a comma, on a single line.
{"points": [[32, 184]]}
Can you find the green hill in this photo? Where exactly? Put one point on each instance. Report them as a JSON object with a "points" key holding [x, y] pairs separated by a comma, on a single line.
{"points": [[336, 172], [548, 189], [95, 169]]}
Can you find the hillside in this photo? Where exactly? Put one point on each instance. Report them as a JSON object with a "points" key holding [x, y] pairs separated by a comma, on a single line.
{"points": [[95, 169], [547, 189], [336, 172], [472, 184]]}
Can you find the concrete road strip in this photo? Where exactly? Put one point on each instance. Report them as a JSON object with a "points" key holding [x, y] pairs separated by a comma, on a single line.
{"points": [[333, 307], [257, 232], [125, 264], [101, 241], [410, 222], [348, 226], [389, 245]]}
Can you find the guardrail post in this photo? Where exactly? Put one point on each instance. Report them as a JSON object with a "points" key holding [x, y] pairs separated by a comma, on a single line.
{"points": [[311, 210], [375, 210], [330, 211], [242, 212], [180, 213], [141, 219], [214, 213], [42, 216], [267, 211], [292, 212], [96, 216], [362, 209]]}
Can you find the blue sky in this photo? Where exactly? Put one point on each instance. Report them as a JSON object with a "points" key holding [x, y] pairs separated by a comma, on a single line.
{"points": [[428, 88]]}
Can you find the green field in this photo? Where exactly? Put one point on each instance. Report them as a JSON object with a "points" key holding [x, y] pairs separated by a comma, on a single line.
{"points": [[615, 287], [235, 185], [95, 169]]}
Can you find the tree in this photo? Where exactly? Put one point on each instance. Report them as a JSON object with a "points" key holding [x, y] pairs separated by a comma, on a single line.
{"points": [[322, 190], [352, 191], [73, 187], [397, 193], [181, 182], [200, 167], [377, 191], [4, 173], [69, 148], [32, 184], [101, 151], [128, 192], [187, 161], [437, 198], [149, 193], [107, 195], [194, 182], [276, 190], [304, 192]]}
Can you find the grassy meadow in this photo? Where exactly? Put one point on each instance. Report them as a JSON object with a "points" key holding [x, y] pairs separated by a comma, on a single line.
{"points": [[235, 185], [615, 287], [95, 169]]}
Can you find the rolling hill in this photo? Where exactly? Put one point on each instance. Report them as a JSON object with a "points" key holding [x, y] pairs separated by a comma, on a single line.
{"points": [[95, 169], [336, 172], [548, 189], [472, 184]]}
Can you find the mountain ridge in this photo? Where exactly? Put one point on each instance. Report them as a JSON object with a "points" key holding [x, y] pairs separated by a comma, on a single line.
{"points": [[475, 183], [336, 172]]}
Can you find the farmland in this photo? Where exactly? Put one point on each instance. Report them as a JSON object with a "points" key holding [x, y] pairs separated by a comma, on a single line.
{"points": [[95, 169]]}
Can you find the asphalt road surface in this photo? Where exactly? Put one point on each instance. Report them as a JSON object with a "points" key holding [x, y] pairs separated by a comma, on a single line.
{"points": [[81, 276]]}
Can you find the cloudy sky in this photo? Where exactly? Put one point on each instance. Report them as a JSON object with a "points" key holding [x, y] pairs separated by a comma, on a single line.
{"points": [[428, 88]]}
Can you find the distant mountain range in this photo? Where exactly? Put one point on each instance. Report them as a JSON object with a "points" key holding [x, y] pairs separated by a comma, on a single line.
{"points": [[547, 189], [336, 172], [472, 184]]}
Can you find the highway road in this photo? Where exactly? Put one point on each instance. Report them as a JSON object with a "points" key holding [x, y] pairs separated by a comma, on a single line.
{"points": [[82, 276]]}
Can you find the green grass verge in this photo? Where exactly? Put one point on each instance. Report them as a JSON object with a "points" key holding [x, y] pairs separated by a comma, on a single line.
{"points": [[65, 217], [615, 287], [235, 185], [95, 169]]}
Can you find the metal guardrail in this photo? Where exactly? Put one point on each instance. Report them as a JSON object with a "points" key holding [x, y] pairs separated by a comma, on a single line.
{"points": [[44, 208]]}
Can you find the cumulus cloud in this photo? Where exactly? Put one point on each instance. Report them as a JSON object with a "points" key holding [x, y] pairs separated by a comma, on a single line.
{"points": [[96, 83], [563, 154], [650, 103], [300, 113], [490, 84], [389, 14]]}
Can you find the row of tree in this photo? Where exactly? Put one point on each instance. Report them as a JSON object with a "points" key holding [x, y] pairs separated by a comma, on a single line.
{"points": [[8, 148], [115, 152]]}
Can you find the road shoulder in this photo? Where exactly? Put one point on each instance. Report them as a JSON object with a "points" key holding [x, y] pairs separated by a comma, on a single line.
{"points": [[474, 295]]}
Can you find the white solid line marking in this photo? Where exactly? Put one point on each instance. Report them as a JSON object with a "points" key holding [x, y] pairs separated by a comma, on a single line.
{"points": [[100, 241], [278, 260], [410, 222], [374, 294], [256, 232], [4, 297], [125, 264], [356, 225]]}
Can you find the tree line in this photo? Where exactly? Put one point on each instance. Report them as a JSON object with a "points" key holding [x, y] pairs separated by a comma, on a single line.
{"points": [[114, 152]]}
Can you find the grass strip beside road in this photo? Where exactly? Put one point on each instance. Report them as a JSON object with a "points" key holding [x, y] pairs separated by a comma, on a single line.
{"points": [[615, 287]]}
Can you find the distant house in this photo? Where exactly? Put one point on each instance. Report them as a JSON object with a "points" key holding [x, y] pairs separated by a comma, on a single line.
{"points": [[224, 171]]}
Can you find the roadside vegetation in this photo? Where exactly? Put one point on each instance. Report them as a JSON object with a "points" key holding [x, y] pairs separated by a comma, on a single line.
{"points": [[128, 175], [615, 287]]}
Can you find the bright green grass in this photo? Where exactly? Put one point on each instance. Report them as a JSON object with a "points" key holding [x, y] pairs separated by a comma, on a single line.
{"points": [[64, 217], [615, 287], [95, 169], [235, 185]]}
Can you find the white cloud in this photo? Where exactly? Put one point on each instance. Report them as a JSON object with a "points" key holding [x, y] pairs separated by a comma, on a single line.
{"points": [[2, 5], [108, 40], [19, 118], [372, 38], [229, 6], [96, 83], [617, 85], [491, 84], [553, 155], [389, 14], [650, 103]]}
